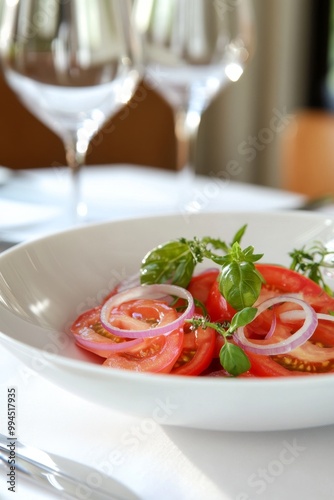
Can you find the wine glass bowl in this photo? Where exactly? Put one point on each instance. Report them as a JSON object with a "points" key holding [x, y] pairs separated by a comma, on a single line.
{"points": [[73, 64], [192, 50]]}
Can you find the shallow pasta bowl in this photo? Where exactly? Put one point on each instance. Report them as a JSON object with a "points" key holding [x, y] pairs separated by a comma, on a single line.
{"points": [[45, 284]]}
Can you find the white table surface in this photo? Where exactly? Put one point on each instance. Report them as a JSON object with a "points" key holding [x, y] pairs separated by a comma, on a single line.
{"points": [[157, 462], [34, 202]]}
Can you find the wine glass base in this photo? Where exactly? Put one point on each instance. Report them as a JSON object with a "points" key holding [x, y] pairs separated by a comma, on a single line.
{"points": [[186, 202]]}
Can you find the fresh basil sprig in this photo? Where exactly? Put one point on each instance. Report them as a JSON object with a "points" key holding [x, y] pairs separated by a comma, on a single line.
{"points": [[175, 261], [232, 358], [311, 261], [239, 281]]}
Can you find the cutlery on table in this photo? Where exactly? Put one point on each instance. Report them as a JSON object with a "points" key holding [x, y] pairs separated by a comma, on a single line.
{"points": [[60, 474]]}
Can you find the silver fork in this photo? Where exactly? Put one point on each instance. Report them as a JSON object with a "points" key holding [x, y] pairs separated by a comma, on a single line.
{"points": [[59, 474]]}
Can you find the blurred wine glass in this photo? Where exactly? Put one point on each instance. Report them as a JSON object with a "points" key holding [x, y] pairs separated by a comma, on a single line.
{"points": [[73, 64], [193, 49]]}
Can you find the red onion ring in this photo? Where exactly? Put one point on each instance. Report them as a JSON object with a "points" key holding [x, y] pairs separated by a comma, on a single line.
{"points": [[272, 328], [293, 315], [286, 345], [147, 292], [104, 346], [325, 317], [298, 315]]}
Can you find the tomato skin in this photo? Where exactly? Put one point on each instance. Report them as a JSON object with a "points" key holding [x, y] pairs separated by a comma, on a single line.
{"points": [[200, 286], [204, 287], [217, 306], [202, 342]]}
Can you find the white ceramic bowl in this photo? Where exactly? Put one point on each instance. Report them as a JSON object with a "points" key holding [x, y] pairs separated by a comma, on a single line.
{"points": [[45, 284]]}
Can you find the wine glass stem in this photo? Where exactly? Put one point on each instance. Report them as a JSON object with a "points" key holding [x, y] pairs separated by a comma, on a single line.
{"points": [[76, 157], [186, 132]]}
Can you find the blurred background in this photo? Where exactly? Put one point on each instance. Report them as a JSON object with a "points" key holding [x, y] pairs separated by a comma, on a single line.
{"points": [[274, 127]]}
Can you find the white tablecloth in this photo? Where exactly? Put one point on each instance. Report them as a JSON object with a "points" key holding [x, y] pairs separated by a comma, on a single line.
{"points": [[157, 462], [37, 201]]}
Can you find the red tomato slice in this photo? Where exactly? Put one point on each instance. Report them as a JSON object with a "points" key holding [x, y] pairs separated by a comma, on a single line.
{"points": [[200, 286], [89, 328], [155, 354], [159, 353], [218, 308], [281, 280], [314, 356], [197, 351], [264, 366], [159, 356]]}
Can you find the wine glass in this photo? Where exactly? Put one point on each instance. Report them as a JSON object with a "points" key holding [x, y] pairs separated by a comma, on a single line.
{"points": [[192, 49], [73, 64]]}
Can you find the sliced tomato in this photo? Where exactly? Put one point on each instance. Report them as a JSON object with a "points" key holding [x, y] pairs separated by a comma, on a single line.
{"points": [[217, 306], [88, 327], [159, 353], [314, 356], [279, 280], [155, 354], [200, 286], [205, 288], [197, 351], [158, 356], [264, 366]]}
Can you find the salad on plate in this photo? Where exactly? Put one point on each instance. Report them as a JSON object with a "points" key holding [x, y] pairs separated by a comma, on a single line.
{"points": [[240, 317]]}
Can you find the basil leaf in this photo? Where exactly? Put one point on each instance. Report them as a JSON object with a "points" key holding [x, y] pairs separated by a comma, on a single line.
{"points": [[242, 318], [233, 359], [240, 284], [239, 234], [172, 262]]}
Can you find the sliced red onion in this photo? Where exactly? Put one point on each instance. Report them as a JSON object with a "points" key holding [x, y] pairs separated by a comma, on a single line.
{"points": [[298, 338], [272, 328], [297, 315], [326, 317], [104, 346], [293, 315], [147, 292]]}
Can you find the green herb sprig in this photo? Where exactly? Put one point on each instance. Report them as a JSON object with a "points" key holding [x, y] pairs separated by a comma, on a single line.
{"points": [[175, 261], [312, 261]]}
